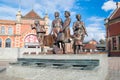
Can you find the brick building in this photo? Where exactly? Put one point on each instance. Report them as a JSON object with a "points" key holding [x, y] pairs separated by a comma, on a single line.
{"points": [[112, 24], [90, 46], [18, 33]]}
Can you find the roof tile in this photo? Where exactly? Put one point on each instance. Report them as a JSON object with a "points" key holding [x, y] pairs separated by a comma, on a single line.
{"points": [[32, 15], [90, 46], [116, 14]]}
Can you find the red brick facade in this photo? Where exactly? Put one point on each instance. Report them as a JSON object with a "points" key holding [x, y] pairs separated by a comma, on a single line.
{"points": [[114, 29], [113, 32], [18, 33]]}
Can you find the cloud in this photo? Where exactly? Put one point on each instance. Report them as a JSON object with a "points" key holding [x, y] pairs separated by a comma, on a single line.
{"points": [[54, 5], [95, 29], [7, 12], [109, 5], [40, 6], [95, 19]]}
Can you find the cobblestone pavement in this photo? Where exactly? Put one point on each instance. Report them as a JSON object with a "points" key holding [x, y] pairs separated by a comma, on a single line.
{"points": [[114, 68]]}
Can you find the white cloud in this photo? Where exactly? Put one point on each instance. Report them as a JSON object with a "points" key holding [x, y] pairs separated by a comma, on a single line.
{"points": [[7, 12], [109, 5], [95, 29], [40, 6], [54, 5], [95, 19]]}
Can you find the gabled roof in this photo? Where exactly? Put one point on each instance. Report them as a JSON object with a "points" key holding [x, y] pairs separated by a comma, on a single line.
{"points": [[116, 14], [32, 15], [89, 46]]}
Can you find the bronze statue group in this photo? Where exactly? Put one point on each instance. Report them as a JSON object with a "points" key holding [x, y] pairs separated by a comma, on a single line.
{"points": [[61, 32]]}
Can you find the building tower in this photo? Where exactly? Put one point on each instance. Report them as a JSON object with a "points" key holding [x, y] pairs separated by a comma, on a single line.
{"points": [[18, 29]]}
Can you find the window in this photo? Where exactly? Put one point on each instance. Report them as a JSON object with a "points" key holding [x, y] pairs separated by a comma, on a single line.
{"points": [[31, 41], [109, 45], [114, 44], [10, 30], [8, 43], [2, 30], [119, 42], [0, 43]]}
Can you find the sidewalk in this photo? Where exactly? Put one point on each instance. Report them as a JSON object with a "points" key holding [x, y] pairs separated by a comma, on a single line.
{"points": [[4, 63], [3, 76], [3, 66], [114, 68]]}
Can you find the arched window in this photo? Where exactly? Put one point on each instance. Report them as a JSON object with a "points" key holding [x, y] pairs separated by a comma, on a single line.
{"points": [[8, 43], [31, 41], [10, 30], [2, 30], [0, 42]]}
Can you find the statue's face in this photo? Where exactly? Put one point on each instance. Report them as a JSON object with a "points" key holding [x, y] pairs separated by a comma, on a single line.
{"points": [[78, 16], [36, 22], [67, 14], [56, 14]]}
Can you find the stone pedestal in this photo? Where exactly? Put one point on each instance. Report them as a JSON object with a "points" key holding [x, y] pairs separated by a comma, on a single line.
{"points": [[48, 73], [68, 48]]}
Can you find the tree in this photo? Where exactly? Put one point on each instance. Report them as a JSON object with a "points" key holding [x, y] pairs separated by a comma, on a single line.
{"points": [[102, 41]]}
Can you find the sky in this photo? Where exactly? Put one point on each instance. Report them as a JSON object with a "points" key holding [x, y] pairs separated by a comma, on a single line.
{"points": [[93, 12]]}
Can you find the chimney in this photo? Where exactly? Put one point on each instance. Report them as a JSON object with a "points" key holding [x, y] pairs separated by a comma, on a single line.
{"points": [[118, 4]]}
